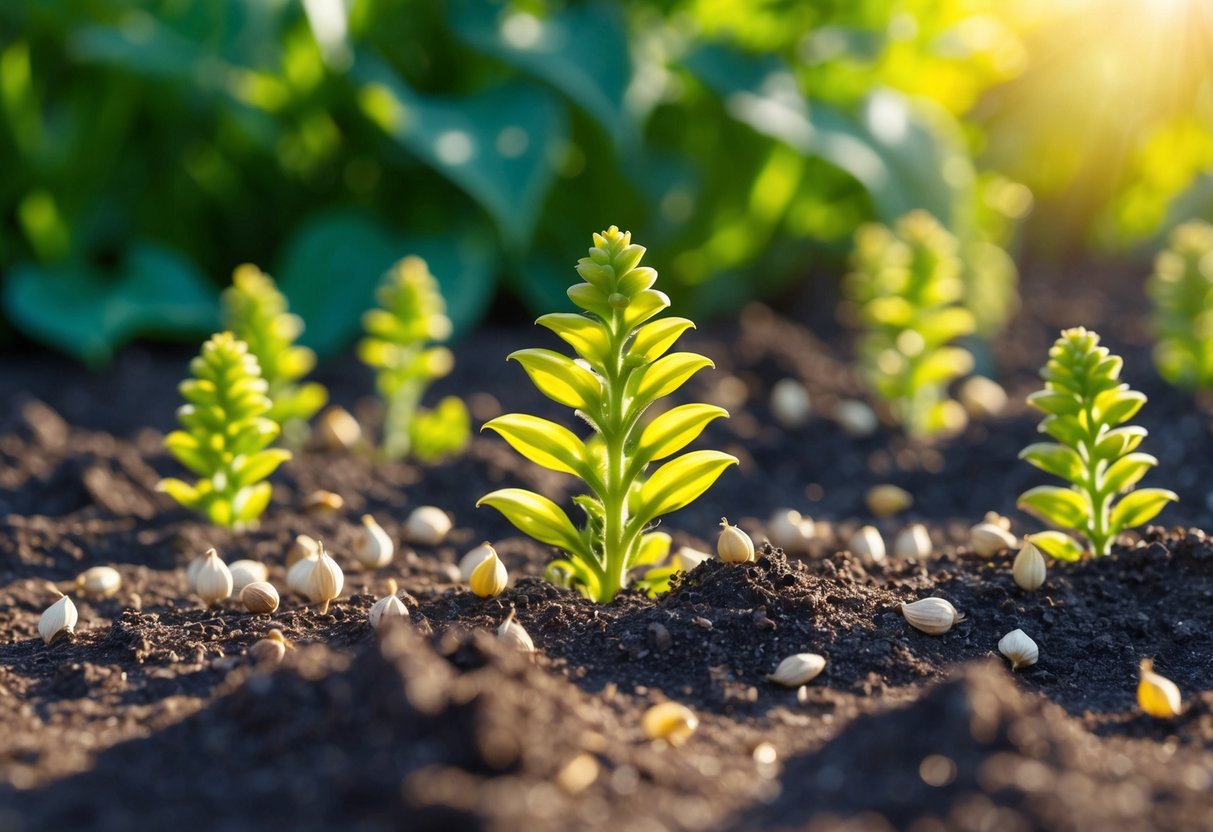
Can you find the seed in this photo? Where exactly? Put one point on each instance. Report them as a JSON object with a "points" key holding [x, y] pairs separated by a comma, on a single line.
{"points": [[469, 562], [1019, 648], [270, 649], [58, 619], [796, 670], [734, 545], [245, 572], [669, 721], [323, 502], [1029, 568], [914, 541], [99, 581], [790, 530], [512, 633], [337, 430], [373, 548], [325, 581], [687, 558], [427, 525], [856, 419], [934, 616], [303, 547], [868, 545], [299, 572], [1157, 695], [489, 578], [886, 500], [578, 774], [388, 607], [790, 403], [213, 583], [988, 539], [982, 398], [259, 597]]}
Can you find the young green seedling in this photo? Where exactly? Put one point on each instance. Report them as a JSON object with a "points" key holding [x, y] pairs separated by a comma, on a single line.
{"points": [[1086, 405], [400, 345], [905, 287], [226, 436], [623, 368], [257, 313], [1182, 290]]}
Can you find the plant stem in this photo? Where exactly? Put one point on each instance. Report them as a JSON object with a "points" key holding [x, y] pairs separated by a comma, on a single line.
{"points": [[615, 498]]}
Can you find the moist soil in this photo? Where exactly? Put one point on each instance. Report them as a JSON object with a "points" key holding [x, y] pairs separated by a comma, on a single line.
{"points": [[154, 713]]}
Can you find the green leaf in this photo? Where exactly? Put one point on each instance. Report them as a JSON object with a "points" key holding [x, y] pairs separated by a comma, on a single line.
{"points": [[653, 339], [1119, 441], [250, 503], [189, 453], [538, 517], [253, 468], [665, 375], [1057, 545], [440, 432], [582, 333], [1058, 404], [675, 429], [560, 379], [944, 325], [1141, 506], [679, 482], [1065, 429], [545, 443], [1125, 472], [643, 306], [1118, 405], [1055, 459], [940, 367], [1058, 506], [184, 493], [654, 548]]}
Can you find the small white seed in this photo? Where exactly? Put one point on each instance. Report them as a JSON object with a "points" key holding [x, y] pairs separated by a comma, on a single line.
{"points": [[323, 502], [797, 670], [477, 556], [669, 721], [867, 544], [856, 419], [373, 548], [245, 572], [886, 500], [191, 573], [914, 541], [790, 530], [988, 539], [303, 547], [427, 526], [337, 430], [213, 583], [734, 545], [1019, 648], [270, 649], [981, 397], [490, 577], [299, 572], [687, 558], [259, 597], [513, 634], [934, 616], [790, 404], [325, 581], [99, 582], [388, 607], [58, 619], [1029, 568]]}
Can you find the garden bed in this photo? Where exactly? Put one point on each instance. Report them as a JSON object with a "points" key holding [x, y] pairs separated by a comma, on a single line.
{"points": [[154, 714]]}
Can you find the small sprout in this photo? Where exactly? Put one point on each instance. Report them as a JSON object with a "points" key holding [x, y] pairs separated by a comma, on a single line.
{"points": [[886, 500], [490, 577], [687, 558], [388, 607], [1086, 405], [337, 430], [797, 670], [303, 547], [988, 539], [58, 619], [1182, 290], [669, 721], [734, 545], [325, 581], [213, 583], [1019, 648], [373, 548], [868, 545], [477, 556], [904, 290], [982, 398], [1029, 568], [914, 541], [99, 582], [513, 634], [271, 649], [856, 419], [790, 531], [300, 571], [245, 572], [427, 526], [934, 616], [790, 404], [1157, 695], [400, 346], [323, 502], [259, 597], [623, 368]]}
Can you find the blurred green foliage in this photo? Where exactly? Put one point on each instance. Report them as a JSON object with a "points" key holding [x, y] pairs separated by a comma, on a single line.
{"points": [[1181, 288], [746, 140]]}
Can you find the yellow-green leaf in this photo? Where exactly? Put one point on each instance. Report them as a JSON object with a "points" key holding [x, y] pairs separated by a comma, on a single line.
{"points": [[1059, 506], [665, 375], [560, 379], [583, 334], [1057, 545], [673, 430], [536, 516], [1141, 506], [643, 306], [543, 442], [680, 481], [653, 339]]}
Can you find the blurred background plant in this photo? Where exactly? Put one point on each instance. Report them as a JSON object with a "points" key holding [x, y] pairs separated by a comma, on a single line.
{"points": [[152, 147]]}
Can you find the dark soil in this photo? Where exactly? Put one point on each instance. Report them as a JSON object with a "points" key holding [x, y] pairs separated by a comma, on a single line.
{"points": [[154, 716]]}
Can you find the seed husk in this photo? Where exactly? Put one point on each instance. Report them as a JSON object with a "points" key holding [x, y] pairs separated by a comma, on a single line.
{"points": [[259, 597], [325, 581], [988, 539], [299, 572], [337, 430], [99, 582], [934, 616], [245, 572], [303, 547], [669, 721], [790, 404], [885, 500], [490, 577], [856, 419], [59, 619], [513, 633], [477, 556], [270, 649], [867, 544], [427, 526], [1028, 570], [790, 530], [213, 583], [798, 669], [687, 558], [373, 548], [387, 607], [914, 541], [1019, 648], [323, 502], [1156, 694], [734, 545]]}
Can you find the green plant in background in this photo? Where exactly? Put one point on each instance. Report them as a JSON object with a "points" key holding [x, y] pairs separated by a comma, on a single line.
{"points": [[257, 313], [904, 290], [226, 437], [1086, 405], [1181, 288], [400, 346], [623, 370]]}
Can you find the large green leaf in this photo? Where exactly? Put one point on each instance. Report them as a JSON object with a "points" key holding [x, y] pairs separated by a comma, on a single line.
{"points": [[1055, 459], [1140, 507], [544, 442], [680, 482], [498, 145], [536, 516], [1059, 506], [88, 313], [673, 430]]}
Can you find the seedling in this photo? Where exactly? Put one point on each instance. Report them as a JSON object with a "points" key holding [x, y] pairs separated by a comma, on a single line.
{"points": [[1086, 405], [905, 289], [257, 313], [623, 369], [1182, 290], [400, 346], [226, 436]]}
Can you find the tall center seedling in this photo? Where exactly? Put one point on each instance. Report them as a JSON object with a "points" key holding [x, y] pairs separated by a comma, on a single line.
{"points": [[623, 369]]}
